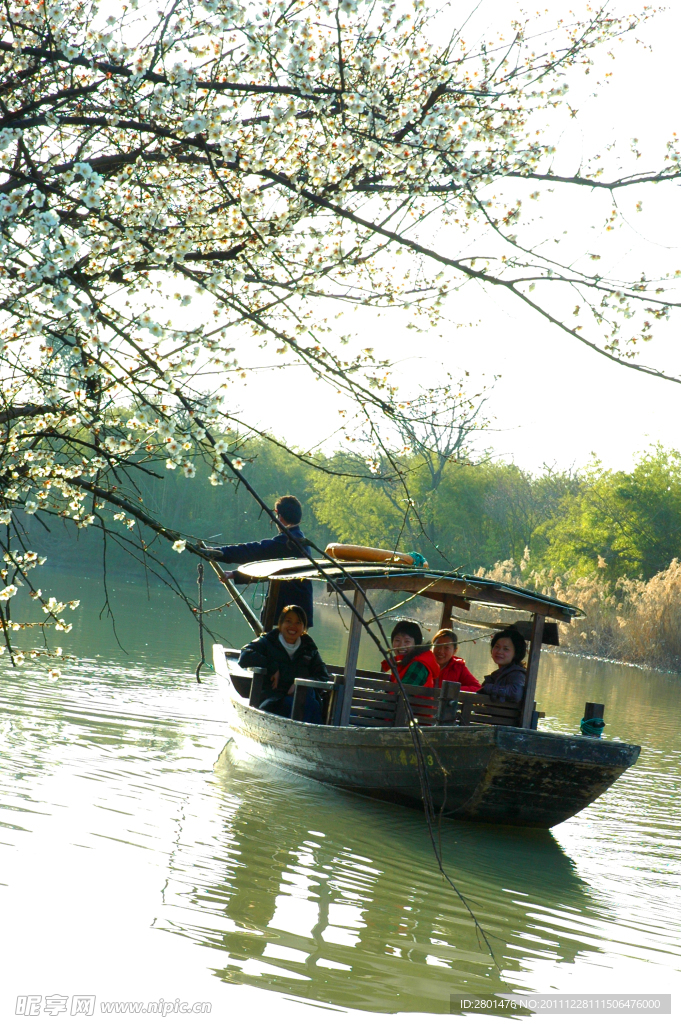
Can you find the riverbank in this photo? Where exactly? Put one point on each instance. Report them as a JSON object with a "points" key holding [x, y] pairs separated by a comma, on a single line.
{"points": [[633, 622]]}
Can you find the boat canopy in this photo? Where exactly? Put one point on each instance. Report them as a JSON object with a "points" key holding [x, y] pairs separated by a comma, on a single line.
{"points": [[454, 589]]}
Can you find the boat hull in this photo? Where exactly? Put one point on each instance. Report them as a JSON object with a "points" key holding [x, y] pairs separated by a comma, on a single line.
{"points": [[497, 774]]}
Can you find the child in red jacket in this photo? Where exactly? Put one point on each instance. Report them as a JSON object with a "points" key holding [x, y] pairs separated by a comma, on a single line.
{"points": [[415, 661], [452, 669]]}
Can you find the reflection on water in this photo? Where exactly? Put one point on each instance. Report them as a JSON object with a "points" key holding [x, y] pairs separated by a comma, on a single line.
{"points": [[252, 876], [305, 887]]}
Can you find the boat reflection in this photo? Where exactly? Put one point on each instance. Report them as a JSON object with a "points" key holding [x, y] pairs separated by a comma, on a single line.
{"points": [[328, 897]]}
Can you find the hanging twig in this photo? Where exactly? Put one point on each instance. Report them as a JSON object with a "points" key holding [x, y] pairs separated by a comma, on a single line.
{"points": [[199, 611]]}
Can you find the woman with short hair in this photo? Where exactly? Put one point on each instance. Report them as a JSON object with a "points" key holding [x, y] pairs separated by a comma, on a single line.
{"points": [[507, 683], [287, 653]]}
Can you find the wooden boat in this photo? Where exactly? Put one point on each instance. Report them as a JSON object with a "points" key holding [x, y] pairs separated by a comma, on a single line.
{"points": [[486, 762]]}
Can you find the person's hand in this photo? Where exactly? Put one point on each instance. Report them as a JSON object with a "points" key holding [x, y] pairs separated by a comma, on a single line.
{"points": [[291, 689], [275, 680]]}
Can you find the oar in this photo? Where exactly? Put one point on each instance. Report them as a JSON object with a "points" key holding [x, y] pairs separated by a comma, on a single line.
{"points": [[245, 609]]}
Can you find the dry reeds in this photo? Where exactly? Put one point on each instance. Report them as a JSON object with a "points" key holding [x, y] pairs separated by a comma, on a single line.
{"points": [[633, 620]]}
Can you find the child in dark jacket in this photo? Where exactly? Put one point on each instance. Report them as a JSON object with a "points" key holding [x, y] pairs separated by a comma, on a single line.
{"points": [[415, 660], [287, 653], [507, 682], [452, 669]]}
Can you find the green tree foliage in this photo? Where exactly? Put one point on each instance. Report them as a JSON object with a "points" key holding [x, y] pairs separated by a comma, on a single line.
{"points": [[619, 524], [623, 524], [226, 512], [477, 515]]}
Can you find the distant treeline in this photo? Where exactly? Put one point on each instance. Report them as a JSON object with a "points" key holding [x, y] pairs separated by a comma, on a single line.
{"points": [[608, 542], [614, 524]]}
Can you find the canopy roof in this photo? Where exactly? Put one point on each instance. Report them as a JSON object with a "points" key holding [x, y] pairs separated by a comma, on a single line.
{"points": [[457, 589]]}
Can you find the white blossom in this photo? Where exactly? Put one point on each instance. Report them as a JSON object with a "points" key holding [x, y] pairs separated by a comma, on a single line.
{"points": [[223, 196]]}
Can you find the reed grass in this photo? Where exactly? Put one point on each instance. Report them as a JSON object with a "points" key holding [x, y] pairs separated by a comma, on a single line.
{"points": [[632, 620]]}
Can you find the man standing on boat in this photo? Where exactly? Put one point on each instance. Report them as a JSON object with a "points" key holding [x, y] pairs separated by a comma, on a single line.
{"points": [[289, 513]]}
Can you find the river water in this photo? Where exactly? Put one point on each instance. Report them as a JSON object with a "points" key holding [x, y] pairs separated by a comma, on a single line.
{"points": [[139, 860]]}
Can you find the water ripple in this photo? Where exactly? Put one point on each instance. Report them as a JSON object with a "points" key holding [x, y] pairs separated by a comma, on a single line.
{"points": [[289, 886]]}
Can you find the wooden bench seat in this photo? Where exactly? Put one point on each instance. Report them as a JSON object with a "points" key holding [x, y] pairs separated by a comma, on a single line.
{"points": [[479, 709], [374, 700], [377, 702]]}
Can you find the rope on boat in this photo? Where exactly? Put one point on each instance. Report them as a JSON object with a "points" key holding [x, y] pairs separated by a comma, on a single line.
{"points": [[199, 580], [592, 726]]}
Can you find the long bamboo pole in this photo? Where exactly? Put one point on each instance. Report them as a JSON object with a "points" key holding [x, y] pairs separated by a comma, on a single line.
{"points": [[245, 609]]}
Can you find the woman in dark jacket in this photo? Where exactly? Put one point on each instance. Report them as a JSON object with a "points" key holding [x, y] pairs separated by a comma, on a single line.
{"points": [[507, 682], [287, 653]]}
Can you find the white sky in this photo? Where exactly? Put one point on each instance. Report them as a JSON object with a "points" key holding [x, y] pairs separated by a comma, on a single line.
{"points": [[556, 401]]}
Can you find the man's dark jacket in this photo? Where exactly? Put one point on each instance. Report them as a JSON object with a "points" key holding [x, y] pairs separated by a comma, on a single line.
{"points": [[268, 652], [290, 591]]}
